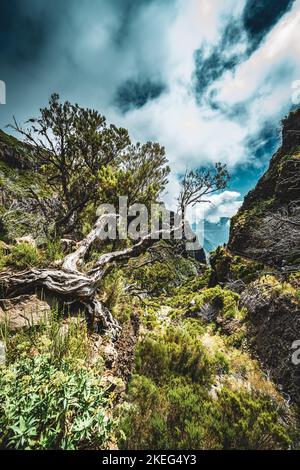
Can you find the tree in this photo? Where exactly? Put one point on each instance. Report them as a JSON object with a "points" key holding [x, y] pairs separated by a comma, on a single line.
{"points": [[197, 185], [85, 163], [77, 152]]}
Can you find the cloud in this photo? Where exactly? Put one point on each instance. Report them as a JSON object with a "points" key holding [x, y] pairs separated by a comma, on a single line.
{"points": [[260, 16], [133, 94], [225, 204], [209, 80]]}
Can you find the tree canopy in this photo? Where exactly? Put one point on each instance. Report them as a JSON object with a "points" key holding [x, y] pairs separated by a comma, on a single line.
{"points": [[87, 162]]}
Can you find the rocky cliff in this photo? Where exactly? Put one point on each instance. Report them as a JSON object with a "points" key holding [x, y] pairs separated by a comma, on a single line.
{"points": [[267, 227], [262, 262]]}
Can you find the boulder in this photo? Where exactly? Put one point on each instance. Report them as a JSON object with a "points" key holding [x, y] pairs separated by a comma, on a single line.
{"points": [[26, 240], [23, 311]]}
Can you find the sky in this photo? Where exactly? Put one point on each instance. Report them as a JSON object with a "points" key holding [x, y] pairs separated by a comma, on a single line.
{"points": [[208, 79]]}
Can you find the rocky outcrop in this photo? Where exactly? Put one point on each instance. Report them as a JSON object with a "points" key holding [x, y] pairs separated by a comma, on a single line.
{"points": [[273, 328], [262, 262], [267, 227], [23, 312]]}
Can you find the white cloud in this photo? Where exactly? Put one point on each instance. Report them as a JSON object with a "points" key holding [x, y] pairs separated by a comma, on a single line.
{"points": [[197, 135], [225, 204], [86, 63]]}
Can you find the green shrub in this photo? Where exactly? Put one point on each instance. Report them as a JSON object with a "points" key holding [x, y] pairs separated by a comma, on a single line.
{"points": [[53, 250], [180, 397], [182, 414], [3, 259], [44, 405], [24, 256], [162, 277], [178, 351], [224, 300]]}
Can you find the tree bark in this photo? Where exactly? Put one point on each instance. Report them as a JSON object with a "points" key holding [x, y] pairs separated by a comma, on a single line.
{"points": [[69, 282]]}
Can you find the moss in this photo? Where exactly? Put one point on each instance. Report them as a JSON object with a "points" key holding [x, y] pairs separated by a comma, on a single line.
{"points": [[273, 287], [230, 267], [223, 300]]}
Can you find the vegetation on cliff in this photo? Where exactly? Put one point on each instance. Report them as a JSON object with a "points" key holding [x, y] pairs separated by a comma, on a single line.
{"points": [[137, 344]]}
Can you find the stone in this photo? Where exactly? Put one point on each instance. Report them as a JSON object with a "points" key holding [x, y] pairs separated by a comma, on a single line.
{"points": [[2, 353], [23, 311], [27, 240], [110, 355]]}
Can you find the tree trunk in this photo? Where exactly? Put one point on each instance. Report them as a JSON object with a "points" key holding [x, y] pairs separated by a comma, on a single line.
{"points": [[70, 283]]}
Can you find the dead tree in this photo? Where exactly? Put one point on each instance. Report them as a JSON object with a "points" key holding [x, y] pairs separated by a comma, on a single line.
{"points": [[70, 281]]}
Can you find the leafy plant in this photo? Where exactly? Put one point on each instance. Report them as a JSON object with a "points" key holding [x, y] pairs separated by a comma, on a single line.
{"points": [[46, 405]]}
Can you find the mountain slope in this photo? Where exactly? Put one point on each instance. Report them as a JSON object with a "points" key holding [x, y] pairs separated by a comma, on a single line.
{"points": [[267, 227]]}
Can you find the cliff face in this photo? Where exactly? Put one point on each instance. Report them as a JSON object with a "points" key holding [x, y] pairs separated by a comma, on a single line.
{"points": [[262, 262], [266, 227]]}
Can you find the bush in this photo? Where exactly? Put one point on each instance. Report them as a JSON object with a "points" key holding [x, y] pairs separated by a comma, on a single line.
{"points": [[178, 351], [53, 250], [162, 277], [44, 405], [3, 258], [224, 300], [182, 397], [24, 256]]}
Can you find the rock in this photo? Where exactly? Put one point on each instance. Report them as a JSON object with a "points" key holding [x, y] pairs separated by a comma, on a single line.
{"points": [[23, 311], [110, 355], [273, 323], [2, 353], [257, 230], [27, 240]]}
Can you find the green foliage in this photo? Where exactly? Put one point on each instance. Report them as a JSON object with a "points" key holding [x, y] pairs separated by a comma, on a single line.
{"points": [[199, 184], [233, 267], [87, 162], [112, 290], [51, 406], [24, 256], [3, 258], [178, 350], [247, 219], [51, 394], [162, 277], [223, 299], [177, 400], [53, 250]]}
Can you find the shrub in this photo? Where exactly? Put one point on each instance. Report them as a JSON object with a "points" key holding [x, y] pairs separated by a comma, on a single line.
{"points": [[162, 277], [182, 397], [24, 256], [224, 300], [177, 351], [53, 250], [3, 259]]}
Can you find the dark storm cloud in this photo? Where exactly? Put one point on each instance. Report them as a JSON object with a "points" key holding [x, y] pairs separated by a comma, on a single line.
{"points": [[134, 94], [261, 15], [258, 18], [86, 50], [26, 29], [210, 68]]}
